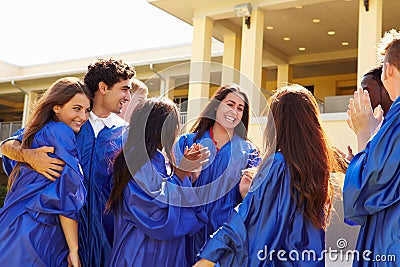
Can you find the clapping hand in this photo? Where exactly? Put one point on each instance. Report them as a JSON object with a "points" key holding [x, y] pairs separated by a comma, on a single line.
{"points": [[193, 159], [364, 121], [246, 180]]}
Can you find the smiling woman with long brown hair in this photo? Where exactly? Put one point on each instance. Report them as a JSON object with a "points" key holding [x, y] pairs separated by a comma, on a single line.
{"points": [[39, 219], [287, 209], [221, 185]]}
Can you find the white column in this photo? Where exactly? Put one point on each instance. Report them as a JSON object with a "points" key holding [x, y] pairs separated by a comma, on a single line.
{"points": [[169, 87], [251, 59], [369, 34], [200, 66], [284, 75], [29, 101], [231, 59]]}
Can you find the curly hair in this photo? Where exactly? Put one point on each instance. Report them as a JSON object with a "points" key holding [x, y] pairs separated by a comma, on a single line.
{"points": [[376, 74], [109, 71]]}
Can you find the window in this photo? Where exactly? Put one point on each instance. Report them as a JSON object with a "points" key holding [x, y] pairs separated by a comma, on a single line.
{"points": [[181, 102], [310, 88]]}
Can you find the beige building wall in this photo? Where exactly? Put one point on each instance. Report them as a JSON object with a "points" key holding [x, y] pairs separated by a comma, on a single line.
{"points": [[323, 85], [334, 124]]}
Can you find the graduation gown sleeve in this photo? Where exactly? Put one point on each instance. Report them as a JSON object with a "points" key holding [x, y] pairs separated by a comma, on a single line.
{"points": [[9, 164], [229, 244], [267, 220], [372, 179], [155, 209]]}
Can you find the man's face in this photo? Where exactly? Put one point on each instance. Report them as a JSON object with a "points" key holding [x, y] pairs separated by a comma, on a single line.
{"points": [[389, 73], [373, 88], [116, 96]]}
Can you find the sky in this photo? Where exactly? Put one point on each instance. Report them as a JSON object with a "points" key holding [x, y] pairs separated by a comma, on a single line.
{"points": [[44, 31]]}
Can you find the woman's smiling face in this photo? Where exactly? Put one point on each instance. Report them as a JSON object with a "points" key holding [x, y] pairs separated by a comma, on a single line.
{"points": [[75, 112], [230, 111]]}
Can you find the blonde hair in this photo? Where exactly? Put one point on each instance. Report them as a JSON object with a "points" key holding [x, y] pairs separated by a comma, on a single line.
{"points": [[139, 87], [389, 48]]}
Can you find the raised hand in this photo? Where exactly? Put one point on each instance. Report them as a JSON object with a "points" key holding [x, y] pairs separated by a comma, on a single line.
{"points": [[347, 157], [362, 119], [246, 180], [193, 159]]}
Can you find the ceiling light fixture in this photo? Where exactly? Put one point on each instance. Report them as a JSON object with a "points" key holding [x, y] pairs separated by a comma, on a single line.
{"points": [[302, 49], [286, 38], [316, 20], [345, 43], [331, 32], [244, 10], [270, 27]]}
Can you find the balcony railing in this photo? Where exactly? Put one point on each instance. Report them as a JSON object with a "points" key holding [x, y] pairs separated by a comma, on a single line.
{"points": [[183, 118], [8, 128]]}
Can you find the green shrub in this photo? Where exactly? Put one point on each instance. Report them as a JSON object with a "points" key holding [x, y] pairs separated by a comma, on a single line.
{"points": [[3, 192]]}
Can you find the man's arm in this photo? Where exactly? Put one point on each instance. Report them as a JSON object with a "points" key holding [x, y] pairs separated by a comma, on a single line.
{"points": [[37, 158]]}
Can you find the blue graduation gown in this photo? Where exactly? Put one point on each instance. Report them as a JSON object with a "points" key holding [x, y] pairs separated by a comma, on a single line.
{"points": [[96, 227], [220, 176], [267, 227], [371, 193], [149, 231], [31, 232], [8, 164]]}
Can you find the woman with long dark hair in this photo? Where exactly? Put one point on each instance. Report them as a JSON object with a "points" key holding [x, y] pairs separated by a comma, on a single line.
{"points": [[152, 200], [222, 127], [39, 219], [287, 209]]}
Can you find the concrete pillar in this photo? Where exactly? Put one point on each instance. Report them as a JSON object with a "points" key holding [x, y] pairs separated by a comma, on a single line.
{"points": [[369, 34], [251, 59], [200, 66], [169, 87], [231, 59], [284, 75], [29, 101], [264, 78]]}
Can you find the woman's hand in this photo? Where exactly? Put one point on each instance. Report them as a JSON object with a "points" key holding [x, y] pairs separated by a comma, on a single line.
{"points": [[204, 263], [347, 157], [193, 159], [246, 180], [73, 259]]}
